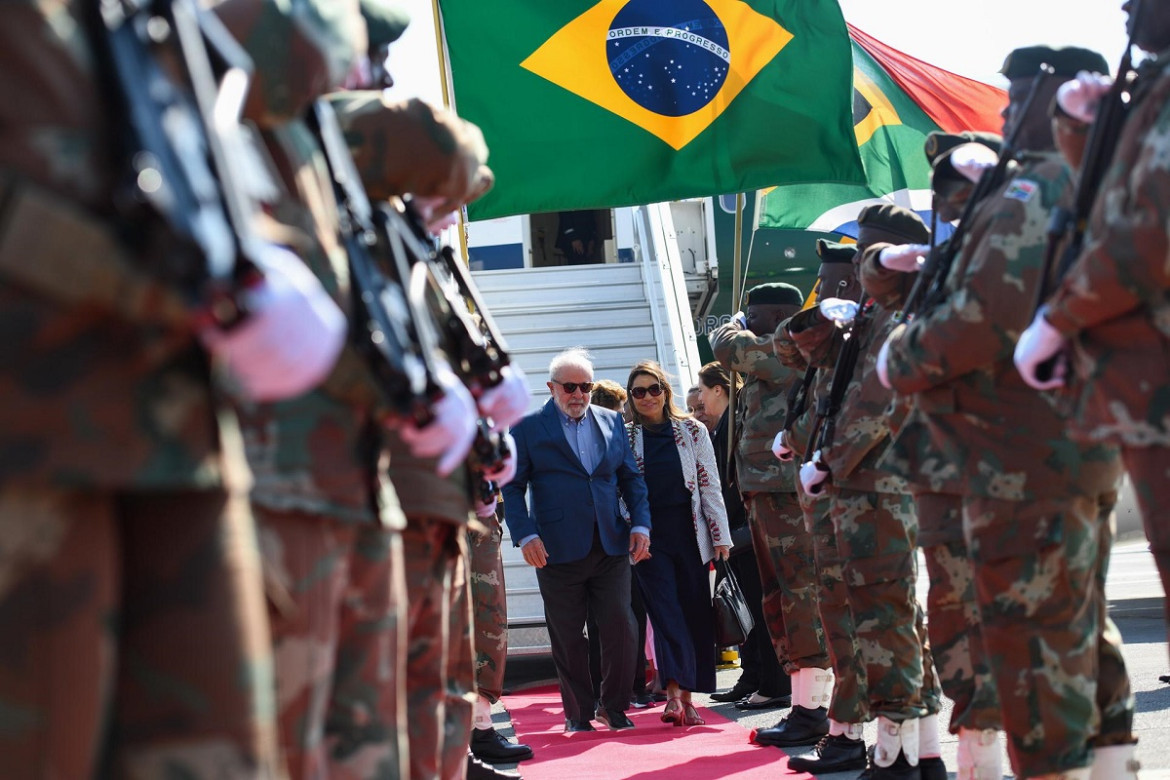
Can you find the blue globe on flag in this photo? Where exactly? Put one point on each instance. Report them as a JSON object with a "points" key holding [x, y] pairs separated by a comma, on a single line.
{"points": [[668, 56]]}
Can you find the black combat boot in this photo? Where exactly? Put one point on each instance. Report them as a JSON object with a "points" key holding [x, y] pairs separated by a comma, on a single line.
{"points": [[802, 726]]}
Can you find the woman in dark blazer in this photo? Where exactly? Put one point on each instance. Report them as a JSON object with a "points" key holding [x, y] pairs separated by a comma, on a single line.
{"points": [[674, 453]]}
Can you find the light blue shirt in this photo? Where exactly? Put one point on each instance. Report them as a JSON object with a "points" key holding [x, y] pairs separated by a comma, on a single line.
{"points": [[584, 438]]}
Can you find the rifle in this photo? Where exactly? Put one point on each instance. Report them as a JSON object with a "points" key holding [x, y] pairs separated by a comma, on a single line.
{"points": [[477, 349], [178, 81], [824, 426], [930, 287], [398, 346], [1067, 226]]}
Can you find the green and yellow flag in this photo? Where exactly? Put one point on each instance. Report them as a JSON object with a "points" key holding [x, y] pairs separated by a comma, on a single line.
{"points": [[622, 102]]}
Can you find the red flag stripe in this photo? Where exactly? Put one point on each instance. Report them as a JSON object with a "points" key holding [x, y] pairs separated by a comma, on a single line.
{"points": [[954, 102]]}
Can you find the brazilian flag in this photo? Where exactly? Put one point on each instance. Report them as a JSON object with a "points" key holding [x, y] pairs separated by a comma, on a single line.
{"points": [[897, 101], [623, 102]]}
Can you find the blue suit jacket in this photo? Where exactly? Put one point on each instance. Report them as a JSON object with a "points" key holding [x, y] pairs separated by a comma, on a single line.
{"points": [[567, 500]]}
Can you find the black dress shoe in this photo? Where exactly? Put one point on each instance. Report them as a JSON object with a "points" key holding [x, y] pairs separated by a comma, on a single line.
{"points": [[899, 770], [615, 720], [642, 700], [802, 726], [736, 692], [834, 753], [932, 769], [478, 770], [577, 725], [491, 746], [764, 704]]}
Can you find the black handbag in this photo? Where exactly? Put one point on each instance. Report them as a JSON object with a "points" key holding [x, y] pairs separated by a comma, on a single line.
{"points": [[733, 619]]}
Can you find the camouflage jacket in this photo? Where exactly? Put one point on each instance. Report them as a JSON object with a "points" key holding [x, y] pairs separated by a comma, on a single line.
{"points": [[1115, 300], [762, 404], [317, 452], [1008, 441], [912, 452], [787, 350], [90, 399], [861, 427]]}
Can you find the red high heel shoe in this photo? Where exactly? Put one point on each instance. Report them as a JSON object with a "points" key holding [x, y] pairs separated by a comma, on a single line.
{"points": [[672, 712], [691, 715]]}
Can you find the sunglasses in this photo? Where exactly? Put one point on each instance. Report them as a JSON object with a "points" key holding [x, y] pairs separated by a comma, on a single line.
{"points": [[640, 392], [571, 387]]}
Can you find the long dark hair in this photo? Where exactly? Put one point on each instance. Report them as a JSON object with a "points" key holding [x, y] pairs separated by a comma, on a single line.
{"points": [[715, 375], [652, 369]]}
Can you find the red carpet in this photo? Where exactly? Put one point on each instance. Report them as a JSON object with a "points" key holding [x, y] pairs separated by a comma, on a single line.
{"points": [[719, 749]]}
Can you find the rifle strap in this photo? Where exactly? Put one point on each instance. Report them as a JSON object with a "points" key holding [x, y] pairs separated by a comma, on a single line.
{"points": [[798, 397]]}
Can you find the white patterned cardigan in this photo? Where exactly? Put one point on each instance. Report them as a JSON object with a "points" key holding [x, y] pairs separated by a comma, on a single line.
{"points": [[701, 478]]}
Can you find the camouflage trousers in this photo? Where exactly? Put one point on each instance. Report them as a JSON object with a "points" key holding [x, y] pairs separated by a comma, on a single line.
{"points": [[850, 701], [1038, 569], [784, 552], [440, 676], [337, 602], [876, 539], [1149, 471], [956, 633], [133, 630], [489, 609]]}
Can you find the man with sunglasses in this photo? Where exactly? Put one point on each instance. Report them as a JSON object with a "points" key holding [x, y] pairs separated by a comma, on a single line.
{"points": [[576, 459]]}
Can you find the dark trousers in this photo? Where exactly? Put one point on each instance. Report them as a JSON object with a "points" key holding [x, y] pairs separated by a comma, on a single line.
{"points": [[639, 686], [598, 584], [757, 658]]}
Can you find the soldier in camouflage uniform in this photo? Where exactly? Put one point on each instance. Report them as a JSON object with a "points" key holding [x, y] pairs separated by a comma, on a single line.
{"points": [[841, 749], [489, 612], [135, 633], [1110, 310], [1034, 503], [874, 520], [937, 484], [329, 532], [783, 546], [402, 147]]}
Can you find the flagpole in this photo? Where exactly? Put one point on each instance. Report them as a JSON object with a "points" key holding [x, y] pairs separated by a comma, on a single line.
{"points": [[449, 102], [736, 297]]}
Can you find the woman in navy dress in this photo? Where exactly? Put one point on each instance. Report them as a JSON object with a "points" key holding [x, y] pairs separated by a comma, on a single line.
{"points": [[675, 454]]}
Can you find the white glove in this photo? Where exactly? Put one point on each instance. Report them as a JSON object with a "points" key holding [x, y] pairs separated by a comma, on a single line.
{"points": [[452, 430], [1080, 97], [839, 310], [740, 319], [1038, 344], [485, 510], [507, 402], [883, 364], [813, 475], [907, 258], [972, 160], [292, 336], [781, 450], [503, 475]]}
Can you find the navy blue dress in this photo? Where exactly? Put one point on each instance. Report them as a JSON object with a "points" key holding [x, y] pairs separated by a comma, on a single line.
{"points": [[674, 581]]}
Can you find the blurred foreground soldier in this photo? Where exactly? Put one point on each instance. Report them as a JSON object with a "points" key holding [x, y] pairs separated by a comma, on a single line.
{"points": [[328, 523], [872, 514], [411, 148], [842, 749], [1110, 308], [135, 630], [489, 609], [783, 546], [1034, 508]]}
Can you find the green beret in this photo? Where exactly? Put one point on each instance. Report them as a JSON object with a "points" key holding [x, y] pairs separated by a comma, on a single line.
{"points": [[385, 21], [894, 223], [939, 143], [1066, 61], [832, 252], [774, 294]]}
